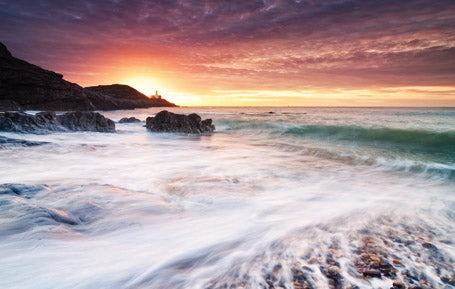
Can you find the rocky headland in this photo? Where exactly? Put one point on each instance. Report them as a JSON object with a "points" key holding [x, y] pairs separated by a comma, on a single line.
{"points": [[24, 86]]}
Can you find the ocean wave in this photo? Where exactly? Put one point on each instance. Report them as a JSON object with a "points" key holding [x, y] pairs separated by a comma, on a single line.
{"points": [[442, 142], [398, 164], [429, 140], [419, 152]]}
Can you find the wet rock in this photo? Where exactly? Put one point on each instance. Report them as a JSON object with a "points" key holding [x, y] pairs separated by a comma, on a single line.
{"points": [[21, 190], [86, 121], [386, 268], [129, 120], [372, 273], [448, 280], [166, 121], [13, 142], [365, 256], [23, 122], [375, 261], [300, 279], [398, 285], [429, 246], [86, 212], [333, 276], [49, 121]]}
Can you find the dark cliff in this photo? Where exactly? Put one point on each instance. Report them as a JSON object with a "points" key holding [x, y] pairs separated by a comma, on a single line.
{"points": [[24, 86], [126, 96]]}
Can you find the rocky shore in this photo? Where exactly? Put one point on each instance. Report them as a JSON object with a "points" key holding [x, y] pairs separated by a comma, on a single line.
{"points": [[386, 256], [49, 121]]}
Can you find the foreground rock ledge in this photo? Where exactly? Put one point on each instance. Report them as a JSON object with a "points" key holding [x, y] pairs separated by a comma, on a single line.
{"points": [[166, 121], [49, 121]]}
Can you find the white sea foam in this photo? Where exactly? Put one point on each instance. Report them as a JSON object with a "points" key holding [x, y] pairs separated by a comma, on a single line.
{"points": [[137, 209]]}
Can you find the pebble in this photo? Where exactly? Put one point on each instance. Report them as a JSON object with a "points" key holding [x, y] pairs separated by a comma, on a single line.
{"points": [[372, 273], [429, 246], [398, 285]]}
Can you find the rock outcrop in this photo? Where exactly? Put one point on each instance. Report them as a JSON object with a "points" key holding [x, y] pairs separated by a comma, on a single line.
{"points": [[166, 121], [49, 121], [129, 120], [24, 86], [86, 121]]}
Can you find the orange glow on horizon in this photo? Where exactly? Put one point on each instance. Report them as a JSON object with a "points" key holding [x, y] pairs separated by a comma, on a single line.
{"points": [[188, 84], [145, 85]]}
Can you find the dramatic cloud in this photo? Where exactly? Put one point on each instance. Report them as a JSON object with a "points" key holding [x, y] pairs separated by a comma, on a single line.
{"points": [[204, 46]]}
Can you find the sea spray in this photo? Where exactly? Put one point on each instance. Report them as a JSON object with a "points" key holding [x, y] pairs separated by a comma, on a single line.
{"points": [[250, 206]]}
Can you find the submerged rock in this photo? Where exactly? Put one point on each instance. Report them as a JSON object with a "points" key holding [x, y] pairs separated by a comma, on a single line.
{"points": [[12, 142], [429, 246], [129, 120], [21, 190], [49, 121], [166, 121]]}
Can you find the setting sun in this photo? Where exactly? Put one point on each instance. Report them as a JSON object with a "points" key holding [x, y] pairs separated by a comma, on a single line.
{"points": [[143, 84]]}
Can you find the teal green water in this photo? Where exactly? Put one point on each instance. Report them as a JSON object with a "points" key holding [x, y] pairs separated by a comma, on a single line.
{"points": [[418, 140]]}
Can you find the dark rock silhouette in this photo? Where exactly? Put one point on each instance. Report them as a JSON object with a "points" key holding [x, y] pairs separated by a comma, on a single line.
{"points": [[123, 96], [24, 86], [86, 121], [129, 120], [166, 121], [48, 121]]}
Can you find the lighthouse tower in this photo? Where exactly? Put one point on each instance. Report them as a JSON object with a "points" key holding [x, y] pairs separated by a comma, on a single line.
{"points": [[156, 96]]}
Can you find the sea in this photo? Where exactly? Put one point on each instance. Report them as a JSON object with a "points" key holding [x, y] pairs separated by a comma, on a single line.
{"points": [[276, 197]]}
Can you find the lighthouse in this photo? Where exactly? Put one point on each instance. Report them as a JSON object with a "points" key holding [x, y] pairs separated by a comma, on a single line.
{"points": [[156, 96]]}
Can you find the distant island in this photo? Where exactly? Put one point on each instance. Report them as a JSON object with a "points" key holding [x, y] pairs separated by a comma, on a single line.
{"points": [[24, 86]]}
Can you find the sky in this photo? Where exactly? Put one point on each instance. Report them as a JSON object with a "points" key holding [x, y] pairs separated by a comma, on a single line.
{"points": [[246, 52]]}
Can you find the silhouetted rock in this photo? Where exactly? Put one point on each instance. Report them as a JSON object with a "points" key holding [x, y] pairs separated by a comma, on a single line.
{"points": [[4, 51], [9, 105], [24, 86], [49, 121], [86, 121], [31, 87], [23, 122], [166, 121], [129, 120], [124, 93]]}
